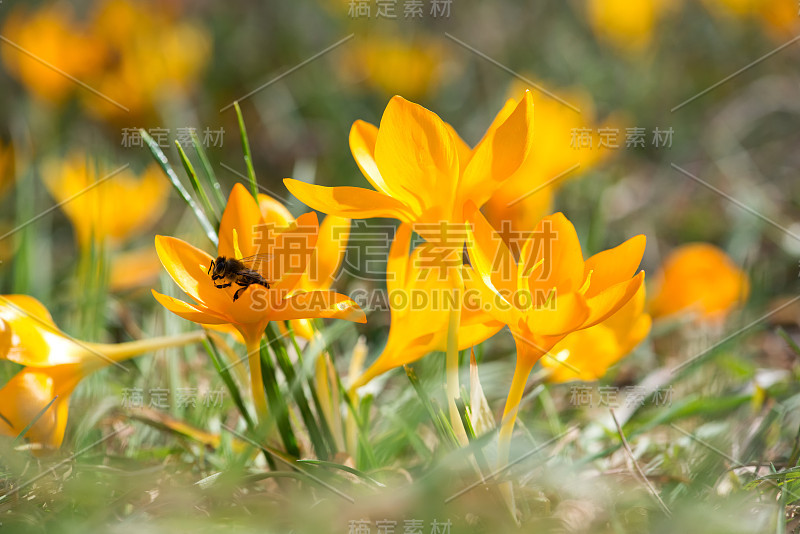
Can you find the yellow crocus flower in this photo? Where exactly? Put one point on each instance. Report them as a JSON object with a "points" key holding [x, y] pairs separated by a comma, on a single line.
{"points": [[549, 293], [52, 34], [419, 294], [287, 254], [699, 278], [117, 208], [54, 364], [394, 65], [422, 171], [627, 25]]}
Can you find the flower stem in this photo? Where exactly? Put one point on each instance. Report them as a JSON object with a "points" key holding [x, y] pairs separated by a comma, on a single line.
{"points": [[521, 374], [453, 388], [256, 381], [123, 351]]}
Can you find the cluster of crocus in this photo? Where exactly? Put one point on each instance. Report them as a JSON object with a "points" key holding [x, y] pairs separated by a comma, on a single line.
{"points": [[550, 291], [427, 177], [37, 397], [111, 50], [287, 252]]}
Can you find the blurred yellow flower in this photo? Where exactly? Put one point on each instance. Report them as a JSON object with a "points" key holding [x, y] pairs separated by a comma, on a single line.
{"points": [[134, 53], [419, 294], [699, 278], [116, 208], [54, 365], [286, 252], [396, 66], [158, 57], [52, 34], [525, 198], [627, 26], [134, 269], [779, 17], [7, 167], [587, 354], [550, 292]]}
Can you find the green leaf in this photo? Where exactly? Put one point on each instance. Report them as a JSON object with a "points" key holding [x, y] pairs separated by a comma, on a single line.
{"points": [[187, 165], [248, 159], [162, 160]]}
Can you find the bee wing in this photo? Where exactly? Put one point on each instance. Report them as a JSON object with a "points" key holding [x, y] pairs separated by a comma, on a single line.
{"points": [[257, 263]]}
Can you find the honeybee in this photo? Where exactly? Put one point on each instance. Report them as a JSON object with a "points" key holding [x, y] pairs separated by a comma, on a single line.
{"points": [[244, 272]]}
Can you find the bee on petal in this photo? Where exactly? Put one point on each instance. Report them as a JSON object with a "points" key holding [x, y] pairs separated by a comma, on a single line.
{"points": [[242, 272]]}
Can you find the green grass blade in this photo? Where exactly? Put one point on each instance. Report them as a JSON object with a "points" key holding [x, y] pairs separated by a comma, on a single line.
{"points": [[277, 404], [209, 173], [225, 374], [248, 158], [442, 425], [297, 392], [162, 160], [346, 469], [201, 194], [323, 422]]}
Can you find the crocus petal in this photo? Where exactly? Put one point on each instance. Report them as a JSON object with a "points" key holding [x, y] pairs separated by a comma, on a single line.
{"points": [[291, 251], [397, 262], [363, 136], [489, 254], [499, 154], [35, 340], [273, 212], [462, 148], [188, 266], [5, 338], [614, 265], [701, 279], [351, 202], [608, 301], [416, 153], [327, 256], [569, 312], [28, 392], [583, 355], [481, 296], [556, 242], [476, 326], [302, 328], [243, 215], [318, 304], [196, 314]]}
